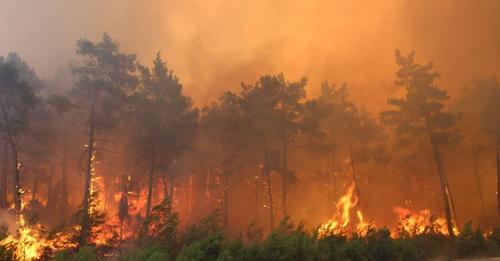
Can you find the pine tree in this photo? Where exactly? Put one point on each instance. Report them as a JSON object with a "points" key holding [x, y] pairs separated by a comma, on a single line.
{"points": [[421, 116]]}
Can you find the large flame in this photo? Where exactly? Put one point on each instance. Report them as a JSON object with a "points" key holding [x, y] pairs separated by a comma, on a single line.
{"points": [[342, 223], [417, 223], [409, 223], [27, 244]]}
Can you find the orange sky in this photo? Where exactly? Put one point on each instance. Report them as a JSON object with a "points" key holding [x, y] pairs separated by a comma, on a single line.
{"points": [[213, 45]]}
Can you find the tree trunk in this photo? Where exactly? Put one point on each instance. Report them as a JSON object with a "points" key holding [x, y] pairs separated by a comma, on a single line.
{"points": [[86, 222], [49, 184], [5, 172], [150, 182], [478, 182], [121, 234], [35, 185], [64, 185], [256, 200], [165, 183], [498, 172], [269, 191], [354, 176], [123, 207], [171, 189], [284, 176], [334, 178], [16, 179], [226, 197], [445, 191], [190, 205]]}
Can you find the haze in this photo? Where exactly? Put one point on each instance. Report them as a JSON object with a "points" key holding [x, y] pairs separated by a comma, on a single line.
{"points": [[215, 45]]}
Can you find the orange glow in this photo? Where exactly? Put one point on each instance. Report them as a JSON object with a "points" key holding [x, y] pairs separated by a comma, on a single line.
{"points": [[342, 224], [417, 223]]}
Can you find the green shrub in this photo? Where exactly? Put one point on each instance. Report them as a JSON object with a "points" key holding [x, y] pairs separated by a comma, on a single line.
{"points": [[206, 227], [380, 245], [205, 249], [353, 250], [83, 254], [288, 242], [151, 253], [470, 241], [234, 250]]}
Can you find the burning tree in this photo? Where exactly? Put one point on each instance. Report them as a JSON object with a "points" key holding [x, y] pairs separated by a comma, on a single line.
{"points": [[480, 104], [421, 114], [164, 120], [160, 226], [223, 128], [339, 125], [17, 97], [105, 74], [271, 110]]}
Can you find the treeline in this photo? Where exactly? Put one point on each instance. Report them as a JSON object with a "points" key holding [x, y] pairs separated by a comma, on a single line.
{"points": [[131, 127]]}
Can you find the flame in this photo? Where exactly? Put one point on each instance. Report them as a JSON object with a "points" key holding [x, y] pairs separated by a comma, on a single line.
{"points": [[363, 226], [340, 224], [64, 239], [417, 223], [28, 243]]}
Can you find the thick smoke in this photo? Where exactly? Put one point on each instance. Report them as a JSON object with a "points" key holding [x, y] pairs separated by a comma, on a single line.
{"points": [[215, 45]]}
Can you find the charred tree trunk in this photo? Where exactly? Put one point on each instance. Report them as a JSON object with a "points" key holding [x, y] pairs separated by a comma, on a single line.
{"points": [[226, 197], [190, 203], [171, 189], [498, 172], [478, 182], [445, 191], [123, 208], [354, 175], [269, 191], [35, 185], [5, 173], [86, 222], [150, 182], [49, 184], [64, 185], [256, 200], [334, 177], [17, 180], [284, 176], [13, 146], [165, 183]]}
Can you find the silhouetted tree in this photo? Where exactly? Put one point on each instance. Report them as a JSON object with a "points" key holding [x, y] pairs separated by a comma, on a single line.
{"points": [[421, 115], [17, 98], [104, 76], [342, 125], [61, 106], [481, 107], [223, 130], [165, 120], [271, 111], [290, 109]]}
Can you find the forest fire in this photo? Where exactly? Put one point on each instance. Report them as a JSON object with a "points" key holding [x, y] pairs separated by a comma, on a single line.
{"points": [[274, 132]]}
